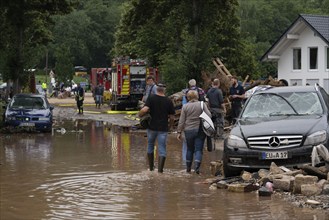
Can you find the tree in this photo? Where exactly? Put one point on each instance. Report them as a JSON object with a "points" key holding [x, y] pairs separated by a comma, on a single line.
{"points": [[89, 32], [182, 37], [262, 23], [27, 27], [64, 67]]}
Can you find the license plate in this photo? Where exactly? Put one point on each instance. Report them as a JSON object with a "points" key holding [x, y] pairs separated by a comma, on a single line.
{"points": [[274, 155], [27, 124]]}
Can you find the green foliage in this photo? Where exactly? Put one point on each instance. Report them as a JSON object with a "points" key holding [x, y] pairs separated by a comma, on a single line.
{"points": [[27, 29], [88, 31], [64, 68], [262, 23], [179, 37], [183, 37], [171, 70]]}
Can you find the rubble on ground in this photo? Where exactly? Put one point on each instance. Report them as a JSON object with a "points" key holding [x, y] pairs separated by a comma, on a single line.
{"points": [[307, 186]]}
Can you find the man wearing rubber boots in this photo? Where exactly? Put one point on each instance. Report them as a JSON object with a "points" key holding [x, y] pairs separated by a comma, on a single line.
{"points": [[160, 108]]}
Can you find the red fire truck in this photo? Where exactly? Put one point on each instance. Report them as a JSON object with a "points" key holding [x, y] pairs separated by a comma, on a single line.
{"points": [[101, 75], [128, 82]]}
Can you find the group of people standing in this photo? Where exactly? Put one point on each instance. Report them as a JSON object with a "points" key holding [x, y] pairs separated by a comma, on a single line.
{"points": [[189, 130]]}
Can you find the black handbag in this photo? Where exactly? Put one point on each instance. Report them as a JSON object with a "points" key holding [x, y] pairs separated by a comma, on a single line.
{"points": [[145, 120], [209, 144]]}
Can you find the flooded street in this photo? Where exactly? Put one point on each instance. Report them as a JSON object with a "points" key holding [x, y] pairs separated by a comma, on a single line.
{"points": [[87, 171]]}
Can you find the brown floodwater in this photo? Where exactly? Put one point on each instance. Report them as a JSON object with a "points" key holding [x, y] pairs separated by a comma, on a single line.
{"points": [[86, 171]]}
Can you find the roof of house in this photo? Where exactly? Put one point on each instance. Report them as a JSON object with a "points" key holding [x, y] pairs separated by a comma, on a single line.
{"points": [[318, 23]]}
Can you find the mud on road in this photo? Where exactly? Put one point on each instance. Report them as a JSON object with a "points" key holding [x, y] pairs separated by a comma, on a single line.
{"points": [[66, 109]]}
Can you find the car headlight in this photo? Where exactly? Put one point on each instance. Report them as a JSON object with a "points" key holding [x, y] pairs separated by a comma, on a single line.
{"points": [[235, 141], [43, 119], [316, 138]]}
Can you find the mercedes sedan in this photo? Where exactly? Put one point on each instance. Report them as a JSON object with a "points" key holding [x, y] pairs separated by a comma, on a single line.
{"points": [[280, 125]]}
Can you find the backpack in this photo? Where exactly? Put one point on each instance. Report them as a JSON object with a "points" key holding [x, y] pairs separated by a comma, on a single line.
{"points": [[200, 93]]}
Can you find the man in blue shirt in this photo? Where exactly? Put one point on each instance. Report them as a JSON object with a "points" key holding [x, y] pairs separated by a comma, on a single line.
{"points": [[150, 88], [237, 95]]}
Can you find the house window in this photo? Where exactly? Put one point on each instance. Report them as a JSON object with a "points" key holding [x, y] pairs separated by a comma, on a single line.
{"points": [[313, 58], [297, 53], [327, 58]]}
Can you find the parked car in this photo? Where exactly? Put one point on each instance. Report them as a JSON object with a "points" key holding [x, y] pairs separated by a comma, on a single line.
{"points": [[280, 124], [31, 111]]}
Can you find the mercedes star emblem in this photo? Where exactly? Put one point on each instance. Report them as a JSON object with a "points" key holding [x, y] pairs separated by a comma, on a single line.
{"points": [[274, 142]]}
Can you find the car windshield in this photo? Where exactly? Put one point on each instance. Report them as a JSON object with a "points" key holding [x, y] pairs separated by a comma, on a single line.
{"points": [[28, 103], [292, 103]]}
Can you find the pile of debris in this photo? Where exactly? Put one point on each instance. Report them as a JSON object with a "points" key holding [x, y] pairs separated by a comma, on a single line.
{"points": [[308, 186], [224, 76]]}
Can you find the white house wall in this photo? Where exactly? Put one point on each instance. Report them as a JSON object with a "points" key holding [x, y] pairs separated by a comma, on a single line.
{"points": [[306, 40]]}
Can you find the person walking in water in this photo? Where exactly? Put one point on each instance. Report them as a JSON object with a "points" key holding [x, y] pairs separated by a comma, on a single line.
{"points": [[201, 94], [189, 123], [160, 108]]}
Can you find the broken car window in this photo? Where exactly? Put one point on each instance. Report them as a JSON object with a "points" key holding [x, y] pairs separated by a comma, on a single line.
{"points": [[267, 104]]}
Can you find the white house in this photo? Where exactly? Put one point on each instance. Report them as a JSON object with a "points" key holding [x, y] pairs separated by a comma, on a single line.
{"points": [[302, 52]]}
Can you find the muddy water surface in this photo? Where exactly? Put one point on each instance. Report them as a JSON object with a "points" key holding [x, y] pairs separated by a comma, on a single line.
{"points": [[86, 171]]}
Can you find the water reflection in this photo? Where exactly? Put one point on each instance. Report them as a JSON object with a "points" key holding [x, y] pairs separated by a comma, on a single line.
{"points": [[92, 172]]}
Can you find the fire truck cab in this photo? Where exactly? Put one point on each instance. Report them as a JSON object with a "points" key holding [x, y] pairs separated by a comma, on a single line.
{"points": [[101, 75], [129, 81]]}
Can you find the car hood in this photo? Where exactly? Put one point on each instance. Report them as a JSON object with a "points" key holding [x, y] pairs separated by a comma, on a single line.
{"points": [[282, 125], [28, 112]]}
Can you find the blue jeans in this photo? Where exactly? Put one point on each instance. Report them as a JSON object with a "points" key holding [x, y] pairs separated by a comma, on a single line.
{"points": [[184, 150], [99, 99], [161, 136], [195, 141]]}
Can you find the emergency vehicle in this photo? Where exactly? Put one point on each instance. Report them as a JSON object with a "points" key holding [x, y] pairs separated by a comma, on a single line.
{"points": [[128, 82], [103, 76]]}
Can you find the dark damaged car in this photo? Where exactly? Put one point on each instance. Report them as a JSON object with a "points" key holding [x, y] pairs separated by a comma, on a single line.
{"points": [[280, 125], [29, 111]]}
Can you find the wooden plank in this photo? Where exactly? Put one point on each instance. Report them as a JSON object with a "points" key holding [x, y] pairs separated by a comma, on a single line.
{"points": [[224, 68], [245, 80]]}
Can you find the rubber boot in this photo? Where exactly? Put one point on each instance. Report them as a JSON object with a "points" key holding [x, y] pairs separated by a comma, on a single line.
{"points": [[151, 161], [188, 167], [81, 110], [161, 164], [197, 167]]}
